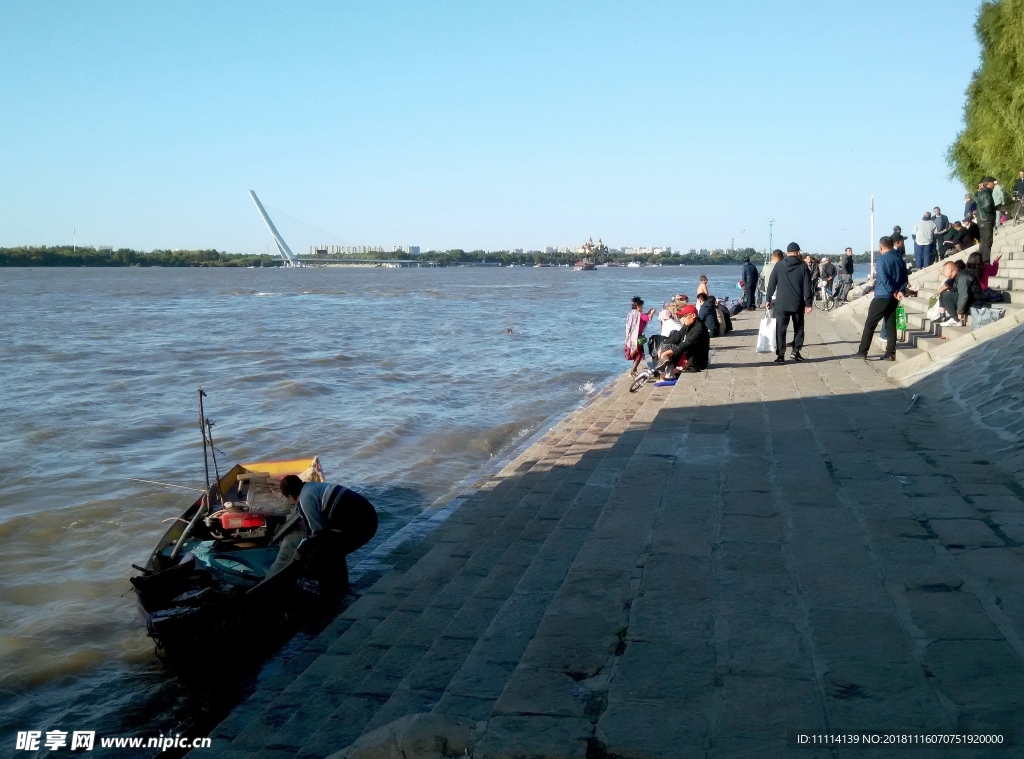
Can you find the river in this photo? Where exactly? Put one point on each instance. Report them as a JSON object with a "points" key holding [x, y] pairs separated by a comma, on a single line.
{"points": [[405, 382]]}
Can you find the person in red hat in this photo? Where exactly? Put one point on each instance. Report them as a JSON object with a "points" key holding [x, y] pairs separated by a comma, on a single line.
{"points": [[692, 343]]}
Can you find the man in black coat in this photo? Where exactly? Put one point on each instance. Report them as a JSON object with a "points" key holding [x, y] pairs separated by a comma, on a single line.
{"points": [[986, 217], [790, 296], [749, 276], [691, 342]]}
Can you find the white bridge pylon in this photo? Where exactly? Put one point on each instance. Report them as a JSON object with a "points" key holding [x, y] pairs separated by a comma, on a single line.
{"points": [[282, 246]]}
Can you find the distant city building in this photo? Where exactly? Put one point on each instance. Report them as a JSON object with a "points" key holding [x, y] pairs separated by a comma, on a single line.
{"points": [[341, 250], [590, 249], [645, 250], [693, 251], [548, 250]]}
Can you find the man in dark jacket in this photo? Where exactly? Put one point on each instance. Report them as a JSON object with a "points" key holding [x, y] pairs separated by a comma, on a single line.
{"points": [[973, 233], [890, 286], [749, 277], [692, 342], [986, 217], [958, 294], [828, 272], [1018, 187], [958, 239], [707, 312], [970, 206], [846, 263], [812, 267], [790, 296]]}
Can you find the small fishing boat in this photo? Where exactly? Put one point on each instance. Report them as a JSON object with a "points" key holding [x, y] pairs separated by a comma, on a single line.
{"points": [[208, 574], [208, 578], [584, 265]]}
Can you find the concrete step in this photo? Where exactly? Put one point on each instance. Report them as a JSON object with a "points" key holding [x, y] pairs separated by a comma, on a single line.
{"points": [[390, 653], [1008, 282]]}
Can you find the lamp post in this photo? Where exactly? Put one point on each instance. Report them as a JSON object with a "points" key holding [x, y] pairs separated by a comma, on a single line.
{"points": [[871, 246]]}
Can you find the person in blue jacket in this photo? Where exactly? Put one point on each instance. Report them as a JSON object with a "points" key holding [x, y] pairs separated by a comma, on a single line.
{"points": [[890, 287]]}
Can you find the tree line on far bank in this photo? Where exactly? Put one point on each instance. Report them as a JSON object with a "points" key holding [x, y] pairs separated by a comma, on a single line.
{"points": [[67, 255]]}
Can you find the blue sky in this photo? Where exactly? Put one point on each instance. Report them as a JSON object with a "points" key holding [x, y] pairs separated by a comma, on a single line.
{"points": [[477, 124]]}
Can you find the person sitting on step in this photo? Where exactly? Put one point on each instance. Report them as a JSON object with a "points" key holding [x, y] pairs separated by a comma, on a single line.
{"points": [[956, 296], [981, 271], [692, 343], [707, 312]]}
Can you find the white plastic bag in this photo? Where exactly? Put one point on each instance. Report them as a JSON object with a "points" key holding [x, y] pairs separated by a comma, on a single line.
{"points": [[766, 335], [934, 312]]}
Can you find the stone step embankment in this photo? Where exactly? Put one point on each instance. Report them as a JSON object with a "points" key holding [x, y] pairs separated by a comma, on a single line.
{"points": [[419, 638], [686, 572]]}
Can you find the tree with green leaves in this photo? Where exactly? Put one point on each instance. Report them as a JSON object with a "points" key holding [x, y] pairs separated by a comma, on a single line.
{"points": [[992, 141]]}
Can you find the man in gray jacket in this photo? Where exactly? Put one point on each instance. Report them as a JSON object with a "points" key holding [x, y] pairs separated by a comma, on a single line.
{"points": [[790, 296], [924, 242]]}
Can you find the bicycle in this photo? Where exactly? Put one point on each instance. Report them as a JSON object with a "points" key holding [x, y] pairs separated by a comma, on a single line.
{"points": [[823, 299], [1018, 212], [841, 292], [647, 375]]}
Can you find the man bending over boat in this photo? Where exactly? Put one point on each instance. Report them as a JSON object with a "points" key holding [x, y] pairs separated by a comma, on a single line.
{"points": [[335, 521]]}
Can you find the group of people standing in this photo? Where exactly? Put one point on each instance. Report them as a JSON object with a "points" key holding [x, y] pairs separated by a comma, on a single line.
{"points": [[935, 238]]}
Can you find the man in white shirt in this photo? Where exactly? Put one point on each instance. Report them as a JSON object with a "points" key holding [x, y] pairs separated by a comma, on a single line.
{"points": [[924, 242]]}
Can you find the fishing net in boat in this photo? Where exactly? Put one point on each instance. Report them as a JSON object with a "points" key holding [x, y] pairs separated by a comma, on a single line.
{"points": [[263, 494]]}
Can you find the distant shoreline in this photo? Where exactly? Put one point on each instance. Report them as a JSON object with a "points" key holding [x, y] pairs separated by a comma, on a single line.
{"points": [[68, 256]]}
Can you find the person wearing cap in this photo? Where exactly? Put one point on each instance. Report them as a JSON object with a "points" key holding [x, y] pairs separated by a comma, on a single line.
{"points": [[986, 217], [790, 297], [669, 324], [749, 277], [827, 270], [890, 287], [692, 343], [899, 245], [924, 242]]}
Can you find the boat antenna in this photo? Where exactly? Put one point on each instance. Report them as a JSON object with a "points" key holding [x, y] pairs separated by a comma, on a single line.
{"points": [[213, 455], [165, 484], [202, 429]]}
